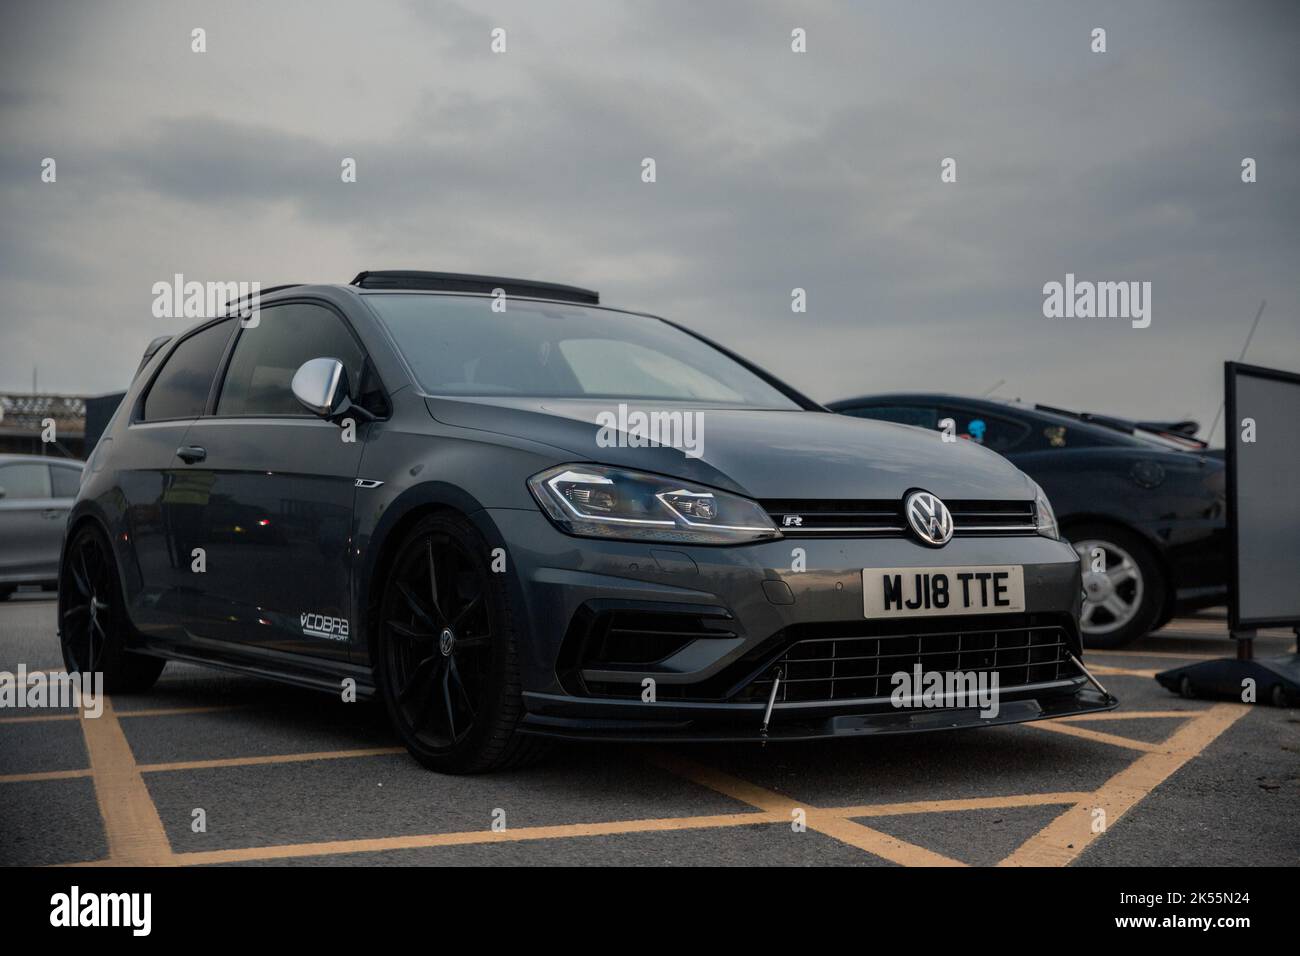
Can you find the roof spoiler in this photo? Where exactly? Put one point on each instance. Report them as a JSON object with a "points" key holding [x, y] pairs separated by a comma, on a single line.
{"points": [[1183, 431], [460, 282], [150, 351]]}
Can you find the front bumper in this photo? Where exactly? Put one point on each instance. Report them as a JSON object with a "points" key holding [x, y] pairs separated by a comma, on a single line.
{"points": [[791, 726], [755, 608]]}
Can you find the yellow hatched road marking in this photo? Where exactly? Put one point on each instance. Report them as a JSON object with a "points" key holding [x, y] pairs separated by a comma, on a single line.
{"points": [[44, 775], [132, 827], [830, 823], [136, 836], [1122, 671], [267, 759], [1099, 736], [1061, 841], [471, 837], [953, 806], [1129, 715]]}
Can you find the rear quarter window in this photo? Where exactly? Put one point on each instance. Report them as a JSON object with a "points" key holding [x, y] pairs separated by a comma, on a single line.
{"points": [[65, 481], [180, 390]]}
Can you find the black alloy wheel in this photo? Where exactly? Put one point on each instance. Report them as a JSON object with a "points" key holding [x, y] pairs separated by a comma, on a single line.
{"points": [[446, 651], [93, 625]]}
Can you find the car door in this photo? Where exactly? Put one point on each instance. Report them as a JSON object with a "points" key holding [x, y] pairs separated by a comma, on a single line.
{"points": [[278, 486], [159, 499], [30, 529]]}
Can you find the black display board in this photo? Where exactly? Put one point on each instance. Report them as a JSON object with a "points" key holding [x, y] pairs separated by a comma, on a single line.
{"points": [[1263, 490]]}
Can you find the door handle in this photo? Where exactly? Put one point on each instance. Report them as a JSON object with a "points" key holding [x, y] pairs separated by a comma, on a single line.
{"points": [[191, 453], [52, 513]]}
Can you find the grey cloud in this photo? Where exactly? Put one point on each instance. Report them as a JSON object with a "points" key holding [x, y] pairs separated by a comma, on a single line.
{"points": [[775, 171]]}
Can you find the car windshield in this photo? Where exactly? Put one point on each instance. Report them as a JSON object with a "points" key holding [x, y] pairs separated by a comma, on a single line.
{"points": [[458, 345]]}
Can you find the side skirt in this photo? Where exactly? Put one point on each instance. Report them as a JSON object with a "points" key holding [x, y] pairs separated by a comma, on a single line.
{"points": [[326, 676]]}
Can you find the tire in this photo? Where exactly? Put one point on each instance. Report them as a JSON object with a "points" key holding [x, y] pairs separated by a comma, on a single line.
{"points": [[446, 659], [1127, 599], [93, 626]]}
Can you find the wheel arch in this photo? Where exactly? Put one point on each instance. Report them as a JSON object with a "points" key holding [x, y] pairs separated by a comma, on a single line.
{"points": [[86, 515], [1153, 543], [412, 506]]}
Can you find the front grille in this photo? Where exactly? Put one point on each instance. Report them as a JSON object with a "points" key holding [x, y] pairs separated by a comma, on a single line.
{"points": [[884, 517], [830, 662]]}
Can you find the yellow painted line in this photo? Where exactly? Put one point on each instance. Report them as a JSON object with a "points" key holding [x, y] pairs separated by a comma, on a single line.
{"points": [[830, 824], [1129, 715], [38, 718], [122, 714], [1061, 841], [179, 711], [953, 806], [43, 775], [520, 834], [132, 827], [1227, 652], [267, 759], [1123, 671], [1096, 736], [1201, 626]]}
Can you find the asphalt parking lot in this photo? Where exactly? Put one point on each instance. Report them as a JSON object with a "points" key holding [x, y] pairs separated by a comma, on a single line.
{"points": [[283, 776]]}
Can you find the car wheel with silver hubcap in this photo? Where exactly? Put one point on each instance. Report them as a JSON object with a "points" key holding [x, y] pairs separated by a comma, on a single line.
{"points": [[1123, 591]]}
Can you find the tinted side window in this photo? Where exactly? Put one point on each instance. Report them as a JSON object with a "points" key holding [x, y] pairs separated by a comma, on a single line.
{"points": [[25, 480], [267, 355], [991, 431], [903, 414], [181, 388]]}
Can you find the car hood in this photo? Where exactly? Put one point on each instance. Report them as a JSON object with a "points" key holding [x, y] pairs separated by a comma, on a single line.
{"points": [[756, 452]]}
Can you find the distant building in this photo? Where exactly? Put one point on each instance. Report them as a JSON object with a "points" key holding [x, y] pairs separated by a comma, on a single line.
{"points": [[24, 420]]}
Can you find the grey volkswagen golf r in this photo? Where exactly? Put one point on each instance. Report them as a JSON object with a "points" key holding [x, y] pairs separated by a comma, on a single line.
{"points": [[513, 514]]}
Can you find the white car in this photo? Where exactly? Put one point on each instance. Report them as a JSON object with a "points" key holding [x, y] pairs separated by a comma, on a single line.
{"points": [[35, 497]]}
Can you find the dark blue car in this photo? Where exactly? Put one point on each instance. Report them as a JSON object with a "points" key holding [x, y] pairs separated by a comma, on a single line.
{"points": [[1142, 502]]}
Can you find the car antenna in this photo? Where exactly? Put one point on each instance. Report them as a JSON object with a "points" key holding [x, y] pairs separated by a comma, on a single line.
{"points": [[997, 385], [1209, 436]]}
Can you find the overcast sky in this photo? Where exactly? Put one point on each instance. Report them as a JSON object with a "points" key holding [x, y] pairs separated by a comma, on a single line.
{"points": [[775, 170]]}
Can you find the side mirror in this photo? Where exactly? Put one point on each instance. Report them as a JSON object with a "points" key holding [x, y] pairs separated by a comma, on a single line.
{"points": [[321, 386], [2, 492]]}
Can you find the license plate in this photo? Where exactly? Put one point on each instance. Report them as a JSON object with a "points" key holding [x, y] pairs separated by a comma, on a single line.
{"points": [[933, 592]]}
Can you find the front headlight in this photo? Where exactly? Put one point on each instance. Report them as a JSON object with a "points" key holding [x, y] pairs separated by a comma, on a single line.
{"points": [[1044, 516], [597, 501]]}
